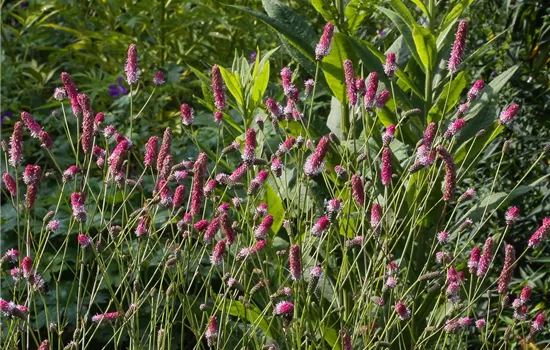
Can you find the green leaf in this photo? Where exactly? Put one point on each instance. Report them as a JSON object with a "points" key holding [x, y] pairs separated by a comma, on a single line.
{"points": [[251, 314], [455, 12], [422, 7], [333, 65], [405, 30], [260, 85], [448, 97], [233, 83], [331, 336], [324, 8], [356, 12], [425, 46], [274, 207]]}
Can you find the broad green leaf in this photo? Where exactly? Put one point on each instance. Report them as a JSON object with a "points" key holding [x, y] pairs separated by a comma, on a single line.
{"points": [[455, 12], [405, 30], [332, 338], [324, 8], [403, 12], [448, 98], [334, 120], [333, 65], [425, 46], [274, 207], [233, 83], [356, 12], [260, 85], [251, 314]]}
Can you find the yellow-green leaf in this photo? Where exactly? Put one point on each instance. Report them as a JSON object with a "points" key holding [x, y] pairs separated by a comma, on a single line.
{"points": [[232, 82], [425, 46]]}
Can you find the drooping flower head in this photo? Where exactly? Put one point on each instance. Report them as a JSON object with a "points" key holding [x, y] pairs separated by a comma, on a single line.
{"points": [[455, 128], [314, 163], [217, 87], [308, 85], [84, 241], [388, 135], [349, 74], [31, 124], [31, 174], [508, 114], [258, 181], [474, 92], [450, 173], [458, 46], [262, 231], [323, 48], [227, 228], [132, 70], [467, 195], [72, 92], [512, 215], [320, 227], [540, 234], [70, 173], [116, 159], [290, 90], [274, 108]]}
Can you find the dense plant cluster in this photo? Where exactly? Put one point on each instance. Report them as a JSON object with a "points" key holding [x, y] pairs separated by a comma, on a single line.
{"points": [[284, 228]]}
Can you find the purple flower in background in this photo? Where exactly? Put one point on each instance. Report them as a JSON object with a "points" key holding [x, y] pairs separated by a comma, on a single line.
{"points": [[24, 5], [5, 114], [252, 57], [117, 90]]}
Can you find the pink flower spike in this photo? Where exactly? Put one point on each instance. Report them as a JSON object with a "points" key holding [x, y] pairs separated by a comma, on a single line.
{"points": [[84, 241], [262, 230], [382, 99], [320, 226], [199, 174], [26, 266], [164, 148], [308, 85], [507, 269], [295, 261], [390, 66], [45, 140], [31, 124], [486, 257], [151, 152], [358, 190], [538, 325], [77, 203], [525, 294], [179, 196], [249, 147], [386, 167], [388, 135], [70, 173], [72, 92], [158, 80], [289, 90], [217, 253], [480, 323], [187, 115], [227, 229], [450, 173], [372, 87], [360, 87], [473, 263], [458, 46], [217, 87], [402, 311], [87, 122], [274, 108], [10, 183], [375, 216], [132, 70], [349, 74], [323, 48], [31, 175], [16, 145]]}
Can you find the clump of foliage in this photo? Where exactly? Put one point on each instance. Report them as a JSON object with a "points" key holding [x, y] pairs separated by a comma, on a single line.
{"points": [[258, 222]]}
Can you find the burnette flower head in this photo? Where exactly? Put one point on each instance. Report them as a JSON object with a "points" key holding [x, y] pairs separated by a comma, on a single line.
{"points": [[323, 48], [458, 46], [132, 70]]}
